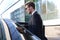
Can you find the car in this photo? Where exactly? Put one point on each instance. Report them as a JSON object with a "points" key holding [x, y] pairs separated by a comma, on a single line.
{"points": [[8, 31]]}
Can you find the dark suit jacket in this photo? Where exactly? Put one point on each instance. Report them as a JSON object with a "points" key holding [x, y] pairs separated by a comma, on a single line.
{"points": [[35, 24]]}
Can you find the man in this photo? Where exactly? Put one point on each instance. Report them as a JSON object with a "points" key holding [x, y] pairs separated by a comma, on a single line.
{"points": [[35, 23]]}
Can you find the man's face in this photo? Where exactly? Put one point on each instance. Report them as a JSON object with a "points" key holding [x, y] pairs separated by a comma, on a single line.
{"points": [[28, 9]]}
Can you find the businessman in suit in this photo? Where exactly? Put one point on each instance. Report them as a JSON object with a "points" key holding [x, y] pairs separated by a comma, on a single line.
{"points": [[35, 22]]}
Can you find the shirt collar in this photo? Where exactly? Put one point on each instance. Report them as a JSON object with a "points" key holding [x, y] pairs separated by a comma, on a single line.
{"points": [[33, 12]]}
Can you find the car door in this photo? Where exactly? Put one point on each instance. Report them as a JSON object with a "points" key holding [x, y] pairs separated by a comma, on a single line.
{"points": [[15, 35], [4, 33]]}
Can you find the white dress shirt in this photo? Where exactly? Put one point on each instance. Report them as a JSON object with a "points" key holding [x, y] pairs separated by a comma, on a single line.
{"points": [[33, 12]]}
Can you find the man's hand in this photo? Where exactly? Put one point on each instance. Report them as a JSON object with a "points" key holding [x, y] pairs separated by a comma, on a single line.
{"points": [[20, 29]]}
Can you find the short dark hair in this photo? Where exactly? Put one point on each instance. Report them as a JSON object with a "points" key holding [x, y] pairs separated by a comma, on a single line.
{"points": [[30, 4]]}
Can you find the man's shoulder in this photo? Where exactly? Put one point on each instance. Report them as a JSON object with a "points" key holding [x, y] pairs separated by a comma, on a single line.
{"points": [[36, 13]]}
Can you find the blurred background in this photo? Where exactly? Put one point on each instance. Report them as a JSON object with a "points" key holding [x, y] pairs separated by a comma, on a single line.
{"points": [[48, 9]]}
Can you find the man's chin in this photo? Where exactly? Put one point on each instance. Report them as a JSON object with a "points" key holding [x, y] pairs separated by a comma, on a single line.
{"points": [[29, 12]]}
